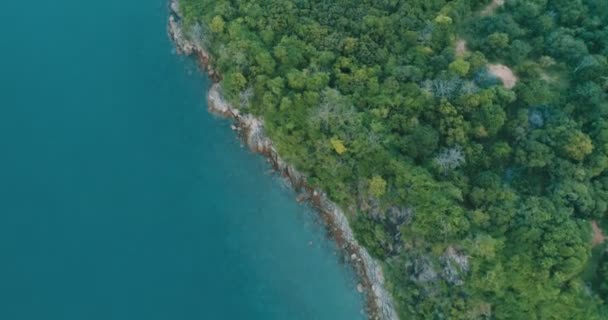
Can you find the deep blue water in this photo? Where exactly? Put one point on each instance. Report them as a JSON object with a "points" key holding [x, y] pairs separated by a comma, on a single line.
{"points": [[122, 198]]}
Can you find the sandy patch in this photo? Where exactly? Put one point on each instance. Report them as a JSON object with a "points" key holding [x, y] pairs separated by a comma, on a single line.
{"points": [[461, 48], [598, 235], [492, 7], [506, 75]]}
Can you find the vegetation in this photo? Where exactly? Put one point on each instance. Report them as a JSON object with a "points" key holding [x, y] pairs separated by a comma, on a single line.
{"points": [[476, 198]]}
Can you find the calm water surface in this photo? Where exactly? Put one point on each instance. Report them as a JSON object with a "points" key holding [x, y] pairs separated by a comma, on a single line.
{"points": [[122, 198]]}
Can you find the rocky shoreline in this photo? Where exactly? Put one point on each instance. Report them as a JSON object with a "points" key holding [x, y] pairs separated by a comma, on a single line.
{"points": [[380, 304]]}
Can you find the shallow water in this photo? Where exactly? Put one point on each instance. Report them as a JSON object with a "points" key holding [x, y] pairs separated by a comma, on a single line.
{"points": [[122, 198]]}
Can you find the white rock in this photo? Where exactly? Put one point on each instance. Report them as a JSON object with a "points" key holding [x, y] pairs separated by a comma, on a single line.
{"points": [[360, 288], [175, 7]]}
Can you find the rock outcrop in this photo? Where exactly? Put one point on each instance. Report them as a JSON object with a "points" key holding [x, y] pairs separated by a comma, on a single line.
{"points": [[251, 129], [455, 266]]}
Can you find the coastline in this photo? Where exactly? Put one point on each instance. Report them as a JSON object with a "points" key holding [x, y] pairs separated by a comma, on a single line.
{"points": [[380, 305]]}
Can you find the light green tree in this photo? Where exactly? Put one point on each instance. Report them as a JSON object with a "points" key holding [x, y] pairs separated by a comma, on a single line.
{"points": [[460, 67], [377, 186], [217, 24]]}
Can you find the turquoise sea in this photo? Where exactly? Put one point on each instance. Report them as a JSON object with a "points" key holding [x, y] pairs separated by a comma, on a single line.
{"points": [[122, 198]]}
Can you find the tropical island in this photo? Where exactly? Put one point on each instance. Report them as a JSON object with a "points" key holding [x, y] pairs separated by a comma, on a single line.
{"points": [[466, 141]]}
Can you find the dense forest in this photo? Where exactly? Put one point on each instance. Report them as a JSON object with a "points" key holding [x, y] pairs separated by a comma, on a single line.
{"points": [[467, 140]]}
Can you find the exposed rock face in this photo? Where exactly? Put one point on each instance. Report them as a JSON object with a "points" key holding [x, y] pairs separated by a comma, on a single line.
{"points": [[455, 266], [399, 215], [423, 270], [181, 43], [452, 267], [251, 129], [175, 7]]}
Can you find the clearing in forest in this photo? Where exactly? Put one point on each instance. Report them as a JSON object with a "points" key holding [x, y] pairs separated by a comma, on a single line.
{"points": [[598, 235], [492, 7], [461, 48], [506, 75]]}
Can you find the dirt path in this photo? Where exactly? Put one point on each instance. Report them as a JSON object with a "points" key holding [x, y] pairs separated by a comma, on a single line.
{"points": [[461, 48], [492, 7], [598, 235]]}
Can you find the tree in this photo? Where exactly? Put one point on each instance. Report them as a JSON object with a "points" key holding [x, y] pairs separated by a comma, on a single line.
{"points": [[443, 20], [265, 63], [534, 154], [450, 159], [291, 52], [578, 145], [338, 146], [217, 24], [519, 51], [234, 83], [333, 113], [498, 41], [491, 117], [422, 142], [377, 186], [296, 80], [460, 67]]}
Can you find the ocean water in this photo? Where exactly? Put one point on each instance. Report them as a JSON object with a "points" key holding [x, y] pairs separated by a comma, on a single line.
{"points": [[122, 198]]}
